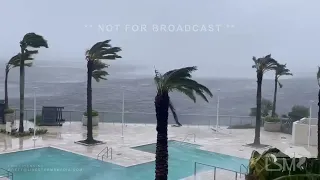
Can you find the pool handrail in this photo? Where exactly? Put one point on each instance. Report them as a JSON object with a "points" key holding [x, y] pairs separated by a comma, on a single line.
{"points": [[101, 151], [215, 169], [107, 152], [194, 137], [245, 167], [7, 174]]}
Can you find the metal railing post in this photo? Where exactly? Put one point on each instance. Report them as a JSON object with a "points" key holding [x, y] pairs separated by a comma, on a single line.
{"points": [[195, 171], [214, 173], [70, 116], [26, 117], [236, 176]]}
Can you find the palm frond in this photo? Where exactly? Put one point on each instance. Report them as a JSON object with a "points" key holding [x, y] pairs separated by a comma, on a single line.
{"points": [[182, 72], [264, 64], [187, 92], [27, 56], [33, 40], [103, 50], [99, 45], [98, 71], [174, 113], [99, 74], [180, 80], [280, 85], [189, 83], [99, 65], [282, 70], [158, 79], [255, 62]]}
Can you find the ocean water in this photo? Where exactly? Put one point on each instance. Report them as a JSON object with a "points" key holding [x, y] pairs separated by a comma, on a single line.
{"points": [[65, 85]]}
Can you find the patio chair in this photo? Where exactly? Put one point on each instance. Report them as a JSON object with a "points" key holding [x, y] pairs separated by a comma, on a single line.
{"points": [[51, 116]]}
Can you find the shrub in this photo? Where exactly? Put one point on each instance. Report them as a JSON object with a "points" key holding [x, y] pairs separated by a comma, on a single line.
{"points": [[94, 113], [8, 111], [26, 133], [298, 112], [266, 107], [38, 131], [271, 119], [38, 119]]}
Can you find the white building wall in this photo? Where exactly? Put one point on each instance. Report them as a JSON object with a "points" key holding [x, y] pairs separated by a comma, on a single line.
{"points": [[300, 132]]}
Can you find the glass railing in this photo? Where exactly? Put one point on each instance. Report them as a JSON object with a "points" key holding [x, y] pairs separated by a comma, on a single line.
{"points": [[150, 118]]}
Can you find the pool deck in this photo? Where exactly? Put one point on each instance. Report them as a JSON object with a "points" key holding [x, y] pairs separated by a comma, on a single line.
{"points": [[231, 142]]}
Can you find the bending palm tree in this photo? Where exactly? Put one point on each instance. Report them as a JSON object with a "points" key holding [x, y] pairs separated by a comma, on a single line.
{"points": [[261, 65], [318, 77], [281, 70], [29, 40], [179, 80], [15, 62], [100, 51]]}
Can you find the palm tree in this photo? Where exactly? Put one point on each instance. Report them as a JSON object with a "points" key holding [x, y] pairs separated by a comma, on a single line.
{"points": [[29, 40], [280, 70], [13, 63], [174, 80], [261, 65], [100, 51], [318, 77]]}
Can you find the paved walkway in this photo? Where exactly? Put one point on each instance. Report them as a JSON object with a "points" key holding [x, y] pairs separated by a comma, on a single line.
{"points": [[226, 141]]}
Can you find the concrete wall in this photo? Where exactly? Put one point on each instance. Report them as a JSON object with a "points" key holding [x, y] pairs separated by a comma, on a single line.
{"points": [[300, 132]]}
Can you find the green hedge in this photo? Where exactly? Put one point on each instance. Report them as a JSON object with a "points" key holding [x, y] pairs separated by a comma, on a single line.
{"points": [[8, 111], [271, 119], [94, 113], [26, 133]]}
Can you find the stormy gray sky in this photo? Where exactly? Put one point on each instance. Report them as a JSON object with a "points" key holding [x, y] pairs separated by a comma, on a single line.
{"points": [[224, 34]]}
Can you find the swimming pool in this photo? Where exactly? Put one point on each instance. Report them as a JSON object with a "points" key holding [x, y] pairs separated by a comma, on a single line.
{"points": [[52, 164]]}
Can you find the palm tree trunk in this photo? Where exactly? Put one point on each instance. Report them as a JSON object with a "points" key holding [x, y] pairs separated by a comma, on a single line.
{"points": [[89, 102], [21, 129], [6, 99], [258, 115], [162, 106], [275, 97], [319, 125]]}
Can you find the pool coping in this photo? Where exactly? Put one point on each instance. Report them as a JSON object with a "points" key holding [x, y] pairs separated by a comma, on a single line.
{"points": [[20, 150]]}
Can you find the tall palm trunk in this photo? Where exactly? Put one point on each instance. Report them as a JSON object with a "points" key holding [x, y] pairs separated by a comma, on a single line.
{"points": [[6, 99], [162, 106], [319, 124], [258, 114], [89, 102], [21, 129], [275, 97]]}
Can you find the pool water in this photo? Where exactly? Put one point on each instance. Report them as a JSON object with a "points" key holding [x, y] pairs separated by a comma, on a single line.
{"points": [[52, 164]]}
